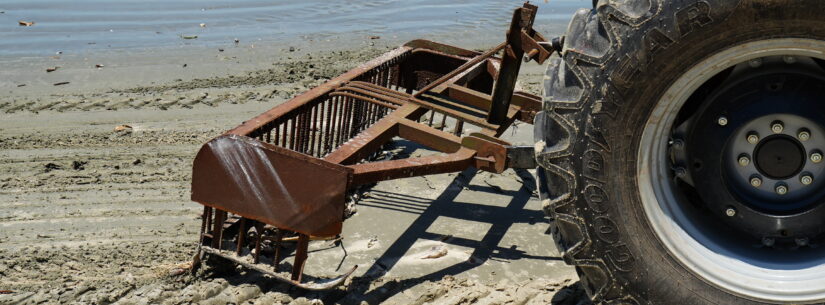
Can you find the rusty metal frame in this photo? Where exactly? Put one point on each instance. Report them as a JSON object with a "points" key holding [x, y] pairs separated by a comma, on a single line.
{"points": [[288, 170]]}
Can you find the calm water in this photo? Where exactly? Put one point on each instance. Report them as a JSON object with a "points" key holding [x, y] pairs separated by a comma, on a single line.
{"points": [[78, 26]]}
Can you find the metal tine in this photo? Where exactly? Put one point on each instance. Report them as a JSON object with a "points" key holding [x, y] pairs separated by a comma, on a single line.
{"points": [[328, 122], [300, 257], [276, 128], [307, 131], [241, 236], [459, 127], [443, 122], [278, 239], [217, 229], [299, 131], [313, 130], [336, 120], [259, 231], [292, 129], [284, 133]]}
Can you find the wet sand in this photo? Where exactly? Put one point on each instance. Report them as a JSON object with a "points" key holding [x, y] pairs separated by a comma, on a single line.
{"points": [[92, 215]]}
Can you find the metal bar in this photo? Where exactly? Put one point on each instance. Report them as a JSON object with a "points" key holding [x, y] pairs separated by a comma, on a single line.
{"points": [[510, 65], [278, 239], [217, 229], [428, 136], [259, 231], [300, 257], [387, 170], [241, 236]]}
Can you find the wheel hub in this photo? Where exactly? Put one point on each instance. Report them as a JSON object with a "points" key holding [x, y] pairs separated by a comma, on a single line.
{"points": [[779, 157], [748, 153]]}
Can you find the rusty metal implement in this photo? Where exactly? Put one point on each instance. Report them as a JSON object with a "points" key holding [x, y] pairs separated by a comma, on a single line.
{"points": [[281, 179]]}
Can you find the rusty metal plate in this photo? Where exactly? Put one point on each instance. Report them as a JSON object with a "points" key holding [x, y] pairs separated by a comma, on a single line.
{"points": [[271, 184]]}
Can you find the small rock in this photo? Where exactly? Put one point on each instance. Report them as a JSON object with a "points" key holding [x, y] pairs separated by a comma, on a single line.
{"points": [[237, 40], [79, 165], [61, 83], [435, 252], [25, 23], [51, 166], [203, 25], [99, 66], [123, 128], [292, 49], [375, 37]]}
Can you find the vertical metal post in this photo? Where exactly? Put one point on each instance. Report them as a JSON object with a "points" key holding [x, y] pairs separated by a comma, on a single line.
{"points": [[300, 257], [510, 65]]}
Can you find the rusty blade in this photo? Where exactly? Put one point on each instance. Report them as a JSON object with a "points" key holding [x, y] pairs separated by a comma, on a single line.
{"points": [[271, 184]]}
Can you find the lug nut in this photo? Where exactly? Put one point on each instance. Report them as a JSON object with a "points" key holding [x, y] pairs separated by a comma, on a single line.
{"points": [[789, 59], [756, 181], [755, 63], [722, 121], [804, 135], [730, 211], [753, 138], [744, 160], [777, 127], [781, 189], [806, 179], [816, 157]]}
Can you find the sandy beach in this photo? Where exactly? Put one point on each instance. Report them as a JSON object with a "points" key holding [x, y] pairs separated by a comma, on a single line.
{"points": [[95, 212]]}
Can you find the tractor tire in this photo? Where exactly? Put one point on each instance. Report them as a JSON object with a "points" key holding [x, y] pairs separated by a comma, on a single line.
{"points": [[621, 61]]}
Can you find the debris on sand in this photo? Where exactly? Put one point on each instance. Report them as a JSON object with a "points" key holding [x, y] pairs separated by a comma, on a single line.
{"points": [[435, 252], [203, 25], [124, 128], [99, 66], [6, 292], [79, 165], [21, 85], [375, 37], [61, 83], [237, 40], [51, 166], [189, 36], [52, 69], [25, 23]]}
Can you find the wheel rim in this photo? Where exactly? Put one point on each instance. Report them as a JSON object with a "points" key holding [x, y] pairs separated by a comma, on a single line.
{"points": [[752, 273]]}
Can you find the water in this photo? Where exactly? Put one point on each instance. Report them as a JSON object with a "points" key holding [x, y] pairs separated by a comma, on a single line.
{"points": [[79, 26]]}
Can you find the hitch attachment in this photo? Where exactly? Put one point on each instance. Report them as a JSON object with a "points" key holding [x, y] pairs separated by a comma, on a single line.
{"points": [[281, 179]]}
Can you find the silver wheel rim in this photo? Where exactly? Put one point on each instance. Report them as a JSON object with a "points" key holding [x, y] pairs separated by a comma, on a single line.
{"points": [[752, 276]]}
